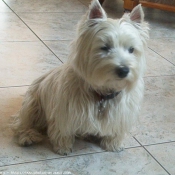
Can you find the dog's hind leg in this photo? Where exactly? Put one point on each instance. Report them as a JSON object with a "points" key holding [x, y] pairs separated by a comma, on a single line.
{"points": [[25, 132], [29, 137], [30, 120]]}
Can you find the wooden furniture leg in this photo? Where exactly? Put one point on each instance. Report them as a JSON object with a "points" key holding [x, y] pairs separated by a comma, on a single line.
{"points": [[130, 4], [158, 6]]}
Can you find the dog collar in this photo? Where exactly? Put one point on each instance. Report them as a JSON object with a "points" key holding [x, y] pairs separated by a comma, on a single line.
{"points": [[103, 98], [109, 96]]}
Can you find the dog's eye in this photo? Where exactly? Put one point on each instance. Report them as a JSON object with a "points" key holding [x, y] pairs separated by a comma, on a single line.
{"points": [[131, 50], [105, 48]]}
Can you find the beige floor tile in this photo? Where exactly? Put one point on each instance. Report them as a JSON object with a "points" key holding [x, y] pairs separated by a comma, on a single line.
{"points": [[157, 117], [60, 48], [45, 6], [52, 26], [161, 25], [131, 162], [158, 66], [165, 154], [22, 62], [164, 47], [13, 29], [4, 7]]}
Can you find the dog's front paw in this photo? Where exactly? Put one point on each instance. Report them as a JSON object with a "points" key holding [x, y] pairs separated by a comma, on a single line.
{"points": [[62, 151], [64, 145], [111, 144]]}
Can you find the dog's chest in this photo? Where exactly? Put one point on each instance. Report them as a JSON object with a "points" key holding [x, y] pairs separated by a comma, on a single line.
{"points": [[100, 119]]}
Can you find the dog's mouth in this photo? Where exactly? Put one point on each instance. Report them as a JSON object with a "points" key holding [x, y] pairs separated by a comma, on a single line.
{"points": [[119, 79]]}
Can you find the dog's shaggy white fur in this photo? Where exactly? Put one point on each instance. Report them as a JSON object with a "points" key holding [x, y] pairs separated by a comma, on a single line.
{"points": [[107, 58]]}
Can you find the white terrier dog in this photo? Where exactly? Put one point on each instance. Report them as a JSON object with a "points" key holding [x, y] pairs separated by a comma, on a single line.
{"points": [[97, 92]]}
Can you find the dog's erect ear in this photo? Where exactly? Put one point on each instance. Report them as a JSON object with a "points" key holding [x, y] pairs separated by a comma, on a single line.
{"points": [[96, 11], [137, 14]]}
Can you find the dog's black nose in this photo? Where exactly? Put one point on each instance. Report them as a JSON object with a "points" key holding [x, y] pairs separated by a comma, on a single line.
{"points": [[122, 72]]}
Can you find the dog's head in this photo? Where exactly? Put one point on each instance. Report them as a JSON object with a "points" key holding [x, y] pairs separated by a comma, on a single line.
{"points": [[109, 53]]}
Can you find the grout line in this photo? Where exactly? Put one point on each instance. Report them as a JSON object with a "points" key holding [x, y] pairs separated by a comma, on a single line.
{"points": [[34, 32], [59, 40], [52, 12], [19, 41], [3, 87], [152, 156], [131, 147], [163, 38], [159, 76], [12, 41], [162, 56], [153, 144]]}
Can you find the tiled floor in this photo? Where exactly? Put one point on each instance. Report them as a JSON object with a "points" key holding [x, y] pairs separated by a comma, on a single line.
{"points": [[34, 38]]}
